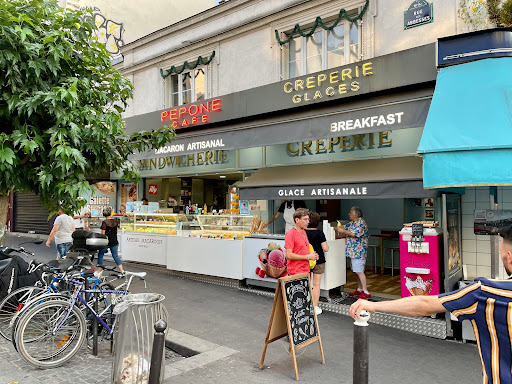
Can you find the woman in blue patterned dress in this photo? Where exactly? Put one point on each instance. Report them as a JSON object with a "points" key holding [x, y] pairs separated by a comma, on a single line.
{"points": [[357, 246]]}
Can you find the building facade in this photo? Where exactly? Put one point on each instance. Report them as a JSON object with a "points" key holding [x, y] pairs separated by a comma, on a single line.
{"points": [[249, 65]]}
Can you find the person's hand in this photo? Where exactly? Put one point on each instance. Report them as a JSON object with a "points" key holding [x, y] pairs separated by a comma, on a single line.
{"points": [[338, 229], [359, 305], [313, 256], [265, 225], [48, 243], [87, 228]]}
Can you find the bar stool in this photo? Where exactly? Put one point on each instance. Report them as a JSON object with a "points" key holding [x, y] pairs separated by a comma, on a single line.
{"points": [[392, 250], [374, 247]]}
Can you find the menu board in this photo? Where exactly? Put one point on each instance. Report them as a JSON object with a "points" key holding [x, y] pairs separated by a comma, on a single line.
{"points": [[300, 310], [293, 314]]}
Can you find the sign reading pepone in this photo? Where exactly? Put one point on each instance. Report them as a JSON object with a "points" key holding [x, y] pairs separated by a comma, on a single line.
{"points": [[190, 115]]}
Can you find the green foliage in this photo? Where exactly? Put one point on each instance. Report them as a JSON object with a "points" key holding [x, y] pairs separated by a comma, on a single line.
{"points": [[506, 13], [493, 9], [60, 105], [186, 65], [319, 22]]}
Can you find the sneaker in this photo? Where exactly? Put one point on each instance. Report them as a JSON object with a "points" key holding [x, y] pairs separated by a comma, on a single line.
{"points": [[318, 310], [364, 296], [355, 293]]}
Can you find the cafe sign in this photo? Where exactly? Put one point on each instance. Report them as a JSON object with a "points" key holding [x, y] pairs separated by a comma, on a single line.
{"points": [[419, 13]]}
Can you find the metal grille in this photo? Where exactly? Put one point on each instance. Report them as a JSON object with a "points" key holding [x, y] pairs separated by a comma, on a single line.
{"points": [[29, 214]]}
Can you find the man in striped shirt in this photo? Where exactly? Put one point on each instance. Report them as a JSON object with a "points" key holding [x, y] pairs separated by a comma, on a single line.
{"points": [[486, 303]]}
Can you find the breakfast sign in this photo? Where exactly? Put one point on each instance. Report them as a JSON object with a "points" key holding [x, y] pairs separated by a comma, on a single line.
{"points": [[293, 315]]}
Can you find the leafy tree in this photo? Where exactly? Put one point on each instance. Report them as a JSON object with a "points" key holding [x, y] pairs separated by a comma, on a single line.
{"points": [[60, 106], [506, 13]]}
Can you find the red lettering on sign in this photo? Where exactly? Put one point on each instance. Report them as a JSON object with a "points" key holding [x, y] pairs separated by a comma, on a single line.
{"points": [[191, 114], [193, 110], [216, 106]]}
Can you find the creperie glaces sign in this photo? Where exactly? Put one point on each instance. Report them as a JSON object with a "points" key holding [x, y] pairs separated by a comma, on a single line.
{"points": [[191, 115]]}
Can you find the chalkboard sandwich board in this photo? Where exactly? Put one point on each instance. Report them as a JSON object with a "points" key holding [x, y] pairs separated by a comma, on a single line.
{"points": [[293, 314]]}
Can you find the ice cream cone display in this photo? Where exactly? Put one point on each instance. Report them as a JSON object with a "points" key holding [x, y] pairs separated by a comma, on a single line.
{"points": [[428, 224], [418, 287], [257, 225]]}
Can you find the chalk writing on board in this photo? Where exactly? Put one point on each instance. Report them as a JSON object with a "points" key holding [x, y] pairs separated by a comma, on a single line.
{"points": [[300, 310]]}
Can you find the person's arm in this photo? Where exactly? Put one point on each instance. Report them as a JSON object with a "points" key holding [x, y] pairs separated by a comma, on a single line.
{"points": [[325, 246], [344, 231], [293, 256], [272, 219], [52, 233], [408, 306]]}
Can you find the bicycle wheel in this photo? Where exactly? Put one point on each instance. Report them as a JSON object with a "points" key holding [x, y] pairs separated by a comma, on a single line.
{"points": [[35, 300], [12, 304], [55, 335]]}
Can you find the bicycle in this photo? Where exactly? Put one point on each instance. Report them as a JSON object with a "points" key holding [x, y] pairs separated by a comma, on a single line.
{"points": [[16, 301], [49, 334]]}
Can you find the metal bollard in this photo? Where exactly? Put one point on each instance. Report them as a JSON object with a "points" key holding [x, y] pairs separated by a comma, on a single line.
{"points": [[157, 353], [360, 365]]}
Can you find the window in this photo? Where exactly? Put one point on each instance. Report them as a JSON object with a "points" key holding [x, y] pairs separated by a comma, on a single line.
{"points": [[187, 87], [323, 50]]}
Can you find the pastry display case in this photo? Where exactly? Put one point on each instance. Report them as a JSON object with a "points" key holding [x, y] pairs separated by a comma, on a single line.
{"points": [[222, 226], [164, 223]]}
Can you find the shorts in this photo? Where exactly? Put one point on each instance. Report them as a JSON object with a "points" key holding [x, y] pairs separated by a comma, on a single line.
{"points": [[357, 265], [62, 249], [319, 269]]}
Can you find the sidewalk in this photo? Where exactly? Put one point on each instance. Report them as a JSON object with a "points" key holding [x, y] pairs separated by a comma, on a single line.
{"points": [[233, 323]]}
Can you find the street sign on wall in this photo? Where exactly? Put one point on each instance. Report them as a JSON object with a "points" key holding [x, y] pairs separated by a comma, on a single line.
{"points": [[419, 13]]}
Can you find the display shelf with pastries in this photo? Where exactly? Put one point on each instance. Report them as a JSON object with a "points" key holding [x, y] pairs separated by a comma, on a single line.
{"points": [[164, 223], [232, 227]]}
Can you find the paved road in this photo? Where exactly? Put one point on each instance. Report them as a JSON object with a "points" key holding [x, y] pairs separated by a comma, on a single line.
{"points": [[236, 321]]}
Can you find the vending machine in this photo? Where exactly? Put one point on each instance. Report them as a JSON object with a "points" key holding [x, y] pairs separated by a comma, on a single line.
{"points": [[421, 260]]}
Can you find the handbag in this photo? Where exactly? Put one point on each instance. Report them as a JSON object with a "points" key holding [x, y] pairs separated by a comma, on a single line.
{"points": [[312, 263]]}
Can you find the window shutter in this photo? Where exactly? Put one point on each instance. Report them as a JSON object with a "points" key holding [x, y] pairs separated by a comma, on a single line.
{"points": [[285, 57], [168, 91]]}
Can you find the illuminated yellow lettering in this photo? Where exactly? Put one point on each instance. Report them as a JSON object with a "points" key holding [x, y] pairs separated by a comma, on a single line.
{"points": [[288, 87], [342, 88], [367, 69], [296, 98], [310, 82], [329, 91], [333, 77], [299, 84], [354, 86], [321, 78], [346, 73], [318, 95]]}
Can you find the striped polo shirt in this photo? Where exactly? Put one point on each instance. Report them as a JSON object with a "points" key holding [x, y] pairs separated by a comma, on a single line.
{"points": [[488, 305]]}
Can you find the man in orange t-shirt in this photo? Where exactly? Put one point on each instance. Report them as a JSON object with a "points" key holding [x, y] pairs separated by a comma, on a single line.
{"points": [[296, 244]]}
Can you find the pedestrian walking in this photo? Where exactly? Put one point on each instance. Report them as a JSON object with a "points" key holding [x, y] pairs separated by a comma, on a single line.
{"points": [[296, 244], [317, 239], [486, 303], [63, 228], [109, 228], [356, 249]]}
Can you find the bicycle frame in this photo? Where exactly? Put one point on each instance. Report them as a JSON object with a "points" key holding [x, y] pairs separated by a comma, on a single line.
{"points": [[76, 294]]}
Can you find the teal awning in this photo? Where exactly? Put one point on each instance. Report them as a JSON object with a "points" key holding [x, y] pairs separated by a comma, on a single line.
{"points": [[467, 140]]}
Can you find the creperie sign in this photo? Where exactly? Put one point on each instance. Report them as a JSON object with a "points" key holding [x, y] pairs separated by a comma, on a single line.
{"points": [[190, 115]]}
